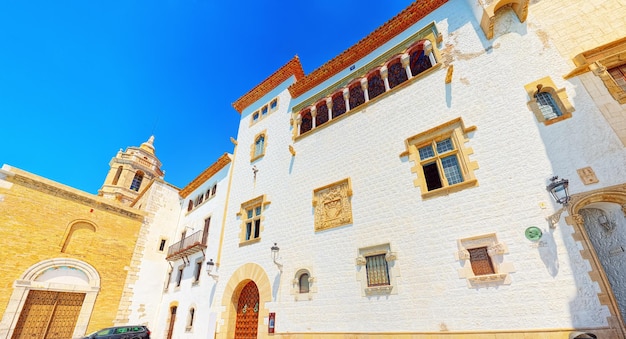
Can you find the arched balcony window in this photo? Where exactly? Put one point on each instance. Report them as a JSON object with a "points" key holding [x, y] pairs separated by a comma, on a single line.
{"points": [[322, 113], [339, 105], [375, 84], [547, 105], [397, 73], [137, 181], [420, 59], [307, 122], [357, 97]]}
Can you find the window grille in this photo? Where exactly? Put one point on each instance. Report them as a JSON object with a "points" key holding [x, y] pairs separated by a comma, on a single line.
{"points": [[377, 270]]}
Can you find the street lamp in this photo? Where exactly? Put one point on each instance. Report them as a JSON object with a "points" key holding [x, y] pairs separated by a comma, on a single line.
{"points": [[275, 251], [210, 265], [559, 190]]}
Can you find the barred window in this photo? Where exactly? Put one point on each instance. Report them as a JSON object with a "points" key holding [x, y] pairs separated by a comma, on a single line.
{"points": [[377, 270], [547, 105], [481, 261]]}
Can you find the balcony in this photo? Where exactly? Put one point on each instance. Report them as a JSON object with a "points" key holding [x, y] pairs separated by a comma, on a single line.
{"points": [[186, 247]]}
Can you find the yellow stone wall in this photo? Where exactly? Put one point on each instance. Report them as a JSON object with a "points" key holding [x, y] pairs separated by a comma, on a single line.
{"points": [[35, 214]]}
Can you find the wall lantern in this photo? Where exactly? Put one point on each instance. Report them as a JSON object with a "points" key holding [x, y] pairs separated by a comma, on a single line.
{"points": [[210, 266], [559, 190], [275, 251]]}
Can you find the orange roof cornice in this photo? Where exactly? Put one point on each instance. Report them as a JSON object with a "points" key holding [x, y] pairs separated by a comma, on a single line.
{"points": [[293, 67], [399, 23], [205, 175]]}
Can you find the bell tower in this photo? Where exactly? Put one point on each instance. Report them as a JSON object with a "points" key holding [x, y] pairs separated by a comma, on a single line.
{"points": [[130, 173]]}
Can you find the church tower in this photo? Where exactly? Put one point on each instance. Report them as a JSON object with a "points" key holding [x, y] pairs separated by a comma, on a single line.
{"points": [[131, 172]]}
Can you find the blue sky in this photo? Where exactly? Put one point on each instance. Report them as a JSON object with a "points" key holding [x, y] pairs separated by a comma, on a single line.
{"points": [[80, 79]]}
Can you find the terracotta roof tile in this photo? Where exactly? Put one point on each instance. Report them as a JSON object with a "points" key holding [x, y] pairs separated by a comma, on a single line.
{"points": [[399, 23], [293, 67], [205, 175]]}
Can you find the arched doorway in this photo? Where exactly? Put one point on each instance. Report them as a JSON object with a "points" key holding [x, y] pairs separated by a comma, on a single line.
{"points": [[52, 299], [172, 320], [598, 218], [606, 228], [247, 312]]}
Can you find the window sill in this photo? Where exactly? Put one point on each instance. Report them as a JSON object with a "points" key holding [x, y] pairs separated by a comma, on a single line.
{"points": [[488, 278], [249, 242], [557, 119], [255, 158], [450, 189], [378, 290]]}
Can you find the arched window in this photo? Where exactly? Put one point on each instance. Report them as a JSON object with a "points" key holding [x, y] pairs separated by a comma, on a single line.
{"points": [[137, 181], [547, 105], [214, 189], [303, 283], [322, 113], [117, 175], [259, 145], [375, 84], [419, 59], [190, 205], [191, 318], [339, 105], [307, 122], [397, 73], [357, 97]]}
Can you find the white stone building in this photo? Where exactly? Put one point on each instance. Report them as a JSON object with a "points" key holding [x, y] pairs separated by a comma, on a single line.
{"points": [[404, 181]]}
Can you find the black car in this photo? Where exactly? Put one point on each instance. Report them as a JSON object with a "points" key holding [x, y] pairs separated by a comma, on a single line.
{"points": [[121, 332]]}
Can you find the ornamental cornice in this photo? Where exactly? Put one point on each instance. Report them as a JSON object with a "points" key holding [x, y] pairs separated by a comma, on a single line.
{"points": [[92, 202], [293, 67], [403, 20], [205, 175]]}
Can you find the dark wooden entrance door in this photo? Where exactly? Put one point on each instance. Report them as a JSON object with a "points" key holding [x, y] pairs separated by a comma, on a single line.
{"points": [[247, 312], [49, 315], [170, 329]]}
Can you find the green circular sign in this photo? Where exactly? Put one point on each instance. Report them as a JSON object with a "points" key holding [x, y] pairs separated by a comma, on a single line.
{"points": [[533, 233]]}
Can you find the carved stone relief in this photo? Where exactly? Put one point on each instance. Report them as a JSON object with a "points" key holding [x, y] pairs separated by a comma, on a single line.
{"points": [[332, 205]]}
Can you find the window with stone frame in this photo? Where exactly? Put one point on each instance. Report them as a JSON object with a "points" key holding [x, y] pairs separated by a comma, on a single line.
{"points": [[549, 103], [482, 260], [618, 74], [179, 275], [258, 147], [441, 159], [303, 286], [197, 270], [190, 319], [264, 111], [137, 179], [376, 270], [252, 219]]}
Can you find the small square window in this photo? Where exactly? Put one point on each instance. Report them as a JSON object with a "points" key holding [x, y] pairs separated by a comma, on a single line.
{"points": [[482, 261], [377, 270]]}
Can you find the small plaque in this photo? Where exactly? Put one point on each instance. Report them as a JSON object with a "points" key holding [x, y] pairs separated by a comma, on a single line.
{"points": [[533, 233], [587, 175]]}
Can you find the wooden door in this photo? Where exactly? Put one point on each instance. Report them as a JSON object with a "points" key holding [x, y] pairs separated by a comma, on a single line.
{"points": [[170, 329], [49, 315], [247, 312]]}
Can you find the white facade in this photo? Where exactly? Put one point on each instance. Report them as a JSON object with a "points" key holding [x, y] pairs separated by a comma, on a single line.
{"points": [[547, 285]]}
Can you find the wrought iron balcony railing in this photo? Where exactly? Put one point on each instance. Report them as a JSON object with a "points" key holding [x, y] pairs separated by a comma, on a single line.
{"points": [[191, 244]]}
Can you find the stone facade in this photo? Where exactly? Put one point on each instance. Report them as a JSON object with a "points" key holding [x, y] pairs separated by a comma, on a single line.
{"points": [[47, 227]]}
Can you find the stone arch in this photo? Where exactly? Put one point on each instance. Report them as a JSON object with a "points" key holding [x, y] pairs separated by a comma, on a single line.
{"points": [[58, 274], [74, 226], [520, 7], [239, 278], [615, 195]]}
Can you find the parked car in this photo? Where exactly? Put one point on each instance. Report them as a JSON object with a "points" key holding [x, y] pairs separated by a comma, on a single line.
{"points": [[121, 332]]}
